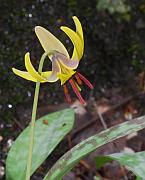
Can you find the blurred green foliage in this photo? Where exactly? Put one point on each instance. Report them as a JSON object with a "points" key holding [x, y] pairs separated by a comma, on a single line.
{"points": [[117, 6], [109, 44]]}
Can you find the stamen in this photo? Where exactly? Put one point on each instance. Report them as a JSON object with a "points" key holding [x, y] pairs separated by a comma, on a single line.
{"points": [[75, 88], [68, 98], [85, 80], [78, 79], [78, 86]]}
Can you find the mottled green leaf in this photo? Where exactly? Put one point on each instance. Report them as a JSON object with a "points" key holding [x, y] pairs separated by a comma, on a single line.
{"points": [[72, 157], [134, 161], [49, 131]]}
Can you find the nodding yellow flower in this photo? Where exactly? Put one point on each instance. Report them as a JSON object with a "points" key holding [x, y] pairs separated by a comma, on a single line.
{"points": [[63, 66]]}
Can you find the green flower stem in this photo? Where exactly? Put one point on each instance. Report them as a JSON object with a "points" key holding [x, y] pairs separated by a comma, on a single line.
{"points": [[32, 125]]}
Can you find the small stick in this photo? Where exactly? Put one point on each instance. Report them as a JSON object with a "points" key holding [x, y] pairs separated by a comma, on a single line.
{"points": [[85, 164], [18, 123], [93, 120]]}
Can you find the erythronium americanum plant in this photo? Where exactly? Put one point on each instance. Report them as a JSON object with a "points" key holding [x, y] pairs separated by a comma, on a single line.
{"points": [[63, 66], [63, 69], [39, 139]]}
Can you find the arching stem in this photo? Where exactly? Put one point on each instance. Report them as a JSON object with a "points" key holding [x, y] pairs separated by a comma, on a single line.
{"points": [[33, 118]]}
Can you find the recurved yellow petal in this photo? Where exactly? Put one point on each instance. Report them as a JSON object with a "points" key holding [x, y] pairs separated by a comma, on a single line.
{"points": [[24, 75], [48, 76], [76, 40], [31, 69], [79, 29], [75, 55], [66, 62], [49, 42], [55, 69]]}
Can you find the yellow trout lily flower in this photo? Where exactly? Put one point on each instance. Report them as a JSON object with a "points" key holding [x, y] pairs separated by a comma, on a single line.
{"points": [[63, 66]]}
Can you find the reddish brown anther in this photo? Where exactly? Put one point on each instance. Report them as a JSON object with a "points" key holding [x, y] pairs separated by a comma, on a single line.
{"points": [[75, 88], [85, 80], [68, 98], [78, 79]]}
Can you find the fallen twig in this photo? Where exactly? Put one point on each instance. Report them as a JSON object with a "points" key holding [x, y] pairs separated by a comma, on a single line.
{"points": [[93, 120]]}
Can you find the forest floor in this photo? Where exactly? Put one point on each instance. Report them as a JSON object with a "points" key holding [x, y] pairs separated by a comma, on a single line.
{"points": [[113, 108]]}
